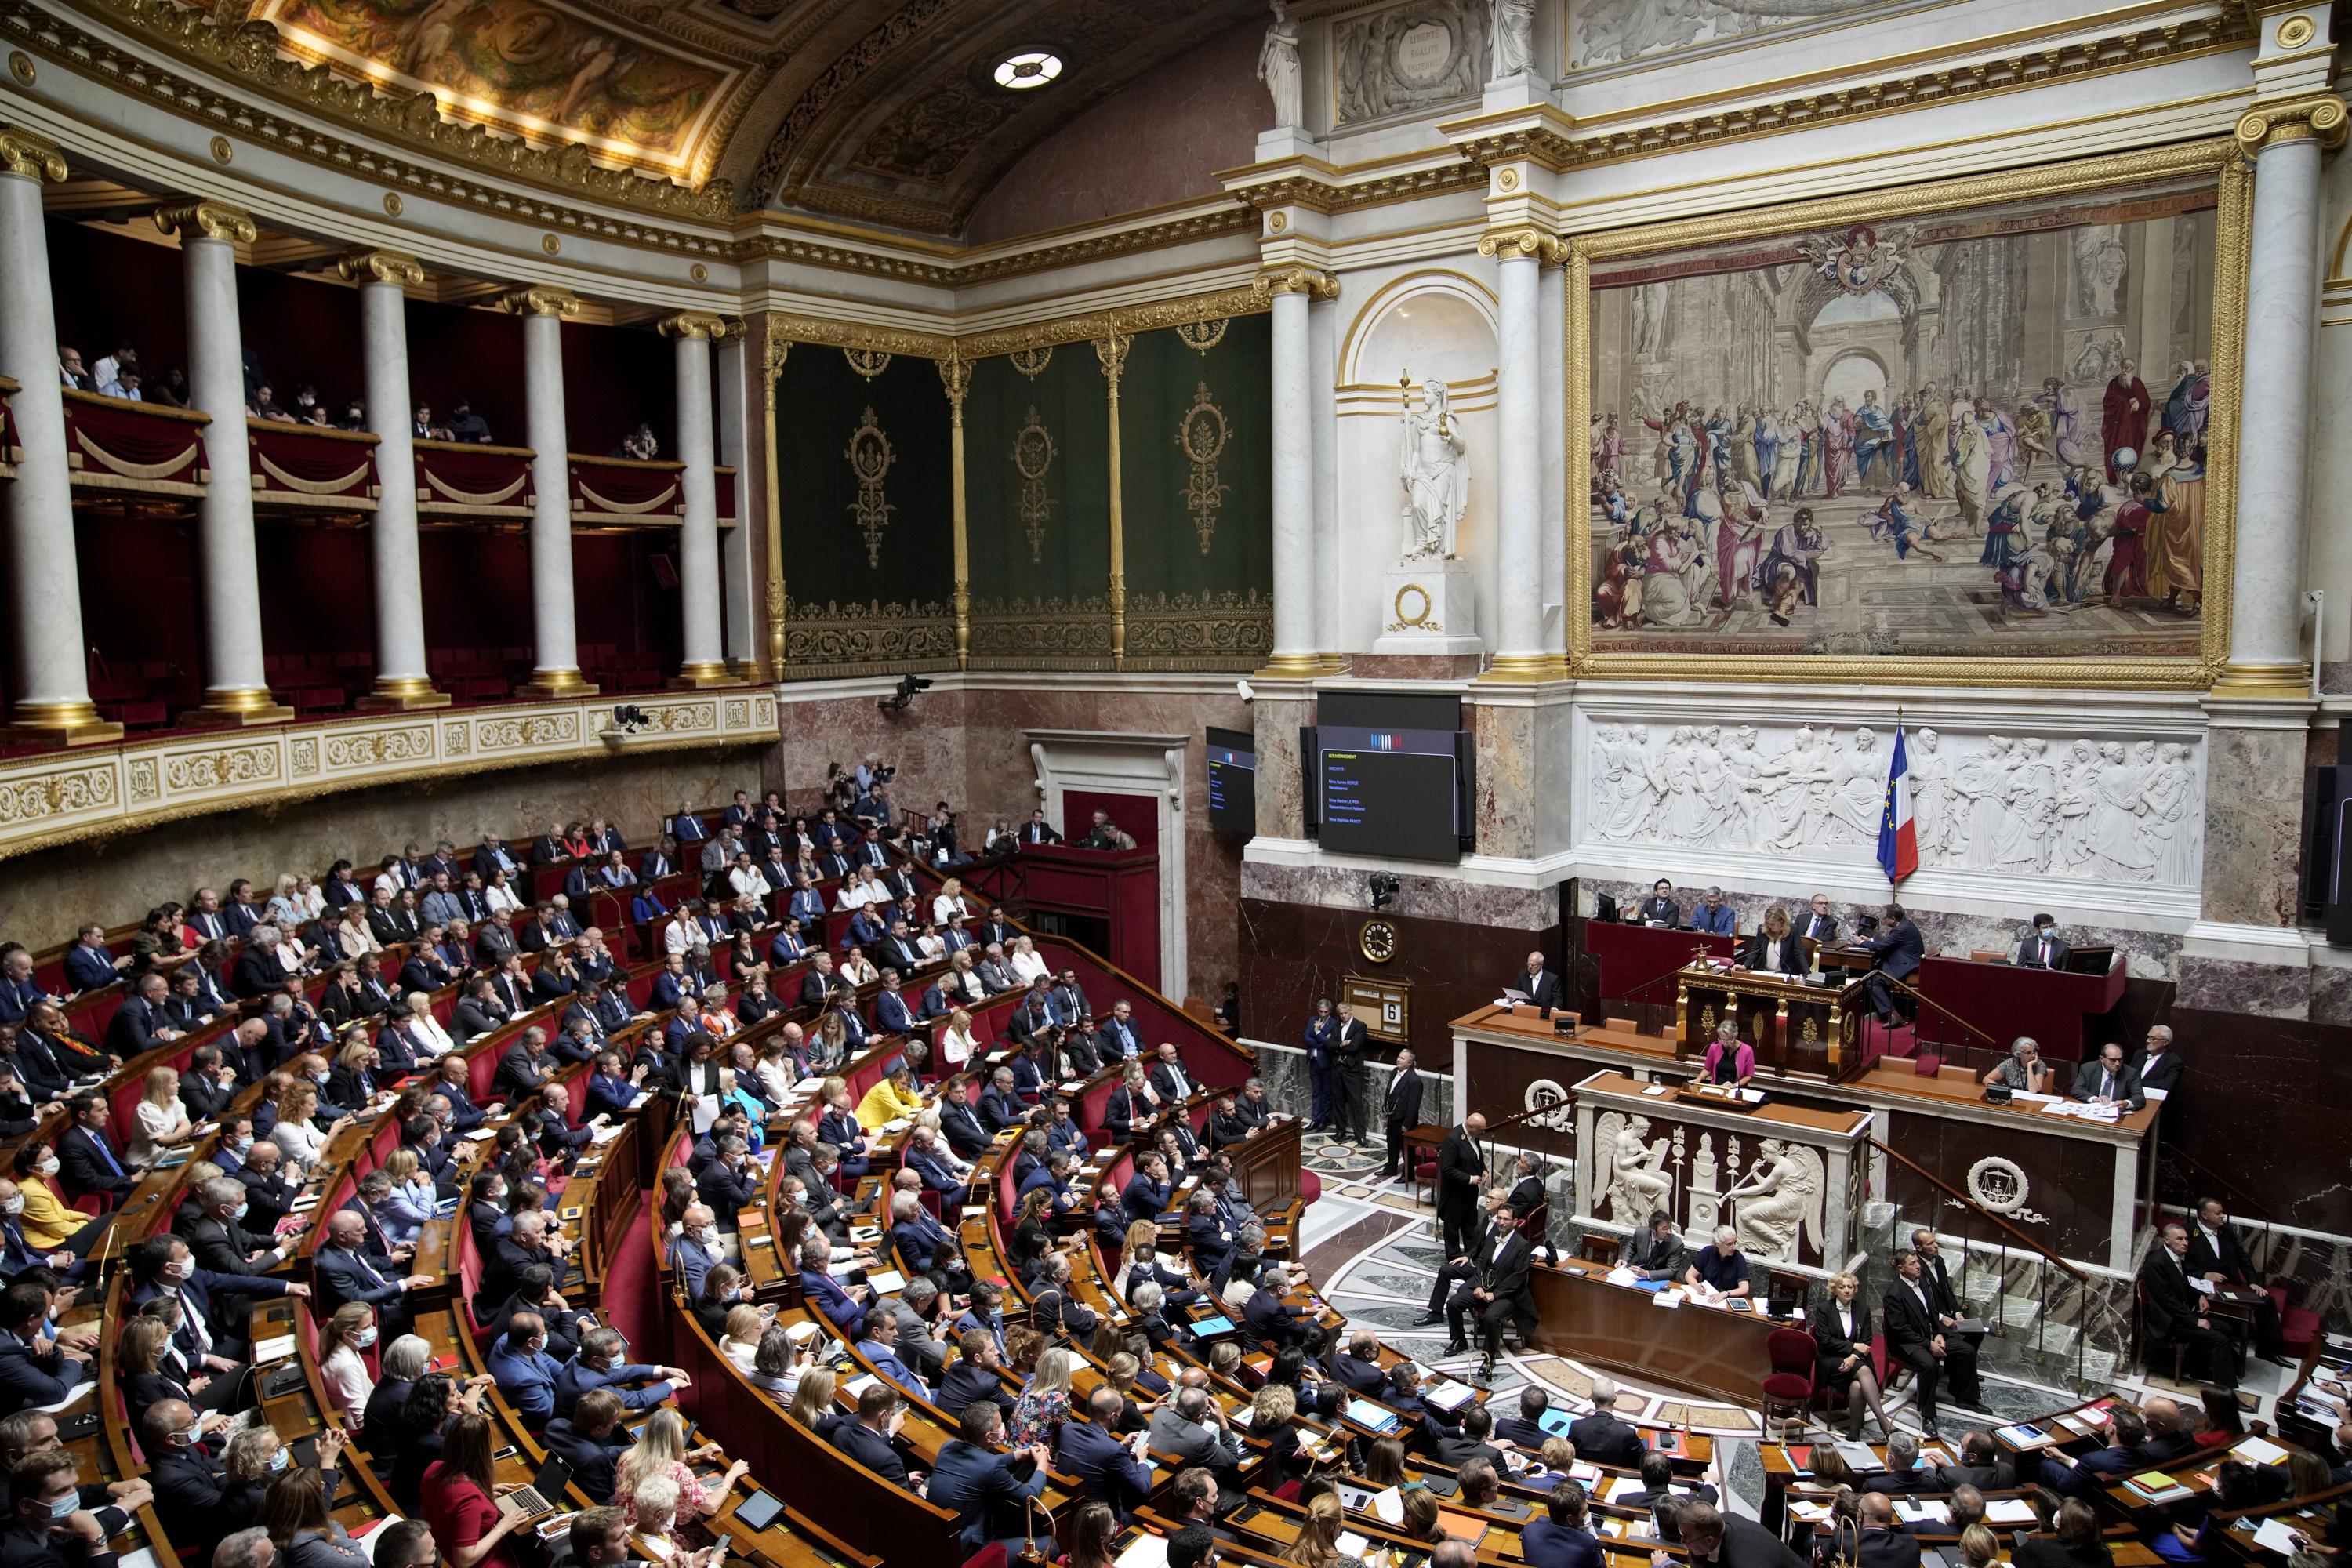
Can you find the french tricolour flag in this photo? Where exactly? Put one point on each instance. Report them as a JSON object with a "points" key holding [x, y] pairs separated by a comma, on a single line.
{"points": [[1899, 840]]}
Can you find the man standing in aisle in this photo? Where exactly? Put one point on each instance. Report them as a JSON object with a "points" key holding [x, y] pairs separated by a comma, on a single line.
{"points": [[1400, 1112], [1460, 1172], [1348, 1047]]}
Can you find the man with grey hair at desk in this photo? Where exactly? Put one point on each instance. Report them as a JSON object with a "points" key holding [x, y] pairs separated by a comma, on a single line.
{"points": [[1193, 1428]]}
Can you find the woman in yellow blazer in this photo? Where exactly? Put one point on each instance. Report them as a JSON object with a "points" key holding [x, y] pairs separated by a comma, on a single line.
{"points": [[891, 1099]]}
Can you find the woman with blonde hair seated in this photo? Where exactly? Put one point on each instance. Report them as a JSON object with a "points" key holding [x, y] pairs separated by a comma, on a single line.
{"points": [[1028, 967], [412, 1200], [1318, 1545], [352, 935], [341, 1366], [661, 1451], [163, 1121], [891, 1099], [812, 1400], [958, 1044], [424, 1028]]}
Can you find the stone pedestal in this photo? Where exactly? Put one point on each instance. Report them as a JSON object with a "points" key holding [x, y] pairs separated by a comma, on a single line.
{"points": [[1431, 608], [1286, 141]]}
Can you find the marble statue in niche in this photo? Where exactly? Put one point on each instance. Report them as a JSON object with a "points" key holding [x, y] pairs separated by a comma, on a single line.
{"points": [[2105, 810], [1435, 475], [1277, 67], [1514, 37]]}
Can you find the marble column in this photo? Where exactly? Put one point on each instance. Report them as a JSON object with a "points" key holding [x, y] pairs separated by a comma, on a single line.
{"points": [[2266, 653], [1520, 653], [52, 696], [237, 685], [554, 616], [735, 547], [385, 278], [691, 333], [1296, 590], [771, 366]]}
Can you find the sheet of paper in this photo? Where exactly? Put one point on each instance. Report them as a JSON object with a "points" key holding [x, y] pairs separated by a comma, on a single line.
{"points": [[81, 1392], [1388, 1505], [2276, 1535], [2007, 1510], [2259, 1451], [1149, 1550], [268, 1351]]}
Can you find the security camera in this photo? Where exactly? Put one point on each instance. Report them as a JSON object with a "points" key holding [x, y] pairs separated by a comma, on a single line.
{"points": [[1245, 692], [904, 696], [1384, 888]]}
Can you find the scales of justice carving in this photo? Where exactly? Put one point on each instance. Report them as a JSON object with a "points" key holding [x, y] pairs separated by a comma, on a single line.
{"points": [[1429, 602], [1777, 1202], [2102, 809]]}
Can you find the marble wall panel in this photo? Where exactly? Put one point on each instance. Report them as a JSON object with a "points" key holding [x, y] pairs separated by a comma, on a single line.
{"points": [[2260, 1118], [1509, 780], [45, 896], [2253, 825], [1281, 805], [925, 743], [1418, 896], [1294, 954]]}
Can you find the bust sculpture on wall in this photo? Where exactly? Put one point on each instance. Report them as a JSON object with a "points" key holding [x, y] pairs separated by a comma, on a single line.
{"points": [[1435, 476]]}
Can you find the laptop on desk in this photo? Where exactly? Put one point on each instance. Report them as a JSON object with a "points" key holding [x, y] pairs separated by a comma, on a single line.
{"points": [[528, 1503]]}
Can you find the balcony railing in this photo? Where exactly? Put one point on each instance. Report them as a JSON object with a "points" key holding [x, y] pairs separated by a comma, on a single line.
{"points": [[114, 444], [310, 468]]}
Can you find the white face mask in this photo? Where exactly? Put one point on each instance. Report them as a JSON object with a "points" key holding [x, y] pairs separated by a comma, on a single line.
{"points": [[365, 1337], [13, 1207]]}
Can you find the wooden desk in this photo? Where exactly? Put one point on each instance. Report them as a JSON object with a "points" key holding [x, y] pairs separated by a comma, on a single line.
{"points": [[1704, 1350], [2063, 1010], [1631, 956], [1789, 1024]]}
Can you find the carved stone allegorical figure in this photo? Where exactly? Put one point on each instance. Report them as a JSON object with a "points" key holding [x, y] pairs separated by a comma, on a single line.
{"points": [[1631, 1171], [1781, 1198], [1435, 474], [1277, 67], [1514, 37]]}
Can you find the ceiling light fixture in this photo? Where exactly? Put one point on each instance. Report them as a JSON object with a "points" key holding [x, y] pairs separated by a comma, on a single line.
{"points": [[1028, 68]]}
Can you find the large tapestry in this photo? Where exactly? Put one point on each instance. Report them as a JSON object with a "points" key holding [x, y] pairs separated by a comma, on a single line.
{"points": [[524, 67], [1947, 433]]}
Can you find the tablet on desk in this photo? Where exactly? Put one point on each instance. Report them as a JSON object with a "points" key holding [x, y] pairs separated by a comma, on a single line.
{"points": [[757, 1511], [1364, 1412]]}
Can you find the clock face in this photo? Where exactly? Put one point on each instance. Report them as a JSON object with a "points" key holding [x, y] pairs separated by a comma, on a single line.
{"points": [[1377, 940]]}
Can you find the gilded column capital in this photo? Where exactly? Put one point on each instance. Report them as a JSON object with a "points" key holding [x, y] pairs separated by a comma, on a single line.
{"points": [[395, 267], [694, 324], [31, 156], [540, 300], [201, 219], [779, 350], [2321, 119], [1548, 250], [1312, 281]]}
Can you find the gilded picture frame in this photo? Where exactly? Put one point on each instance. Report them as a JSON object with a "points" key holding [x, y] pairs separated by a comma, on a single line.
{"points": [[2220, 158]]}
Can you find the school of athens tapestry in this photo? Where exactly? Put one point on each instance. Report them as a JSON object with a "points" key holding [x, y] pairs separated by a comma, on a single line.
{"points": [[524, 67], [1979, 434]]}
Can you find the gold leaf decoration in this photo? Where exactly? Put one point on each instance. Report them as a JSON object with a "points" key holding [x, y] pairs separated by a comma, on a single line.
{"points": [[1202, 336], [870, 458], [1202, 434], [868, 638], [867, 363], [1033, 460], [1032, 363]]}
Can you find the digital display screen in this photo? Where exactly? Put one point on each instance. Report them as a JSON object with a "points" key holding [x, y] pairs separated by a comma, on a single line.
{"points": [[1389, 791], [1233, 781]]}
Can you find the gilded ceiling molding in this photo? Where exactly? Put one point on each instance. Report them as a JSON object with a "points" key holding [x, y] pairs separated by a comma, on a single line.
{"points": [[788, 328], [1336, 194], [208, 220], [837, 79], [247, 54], [1550, 148]]}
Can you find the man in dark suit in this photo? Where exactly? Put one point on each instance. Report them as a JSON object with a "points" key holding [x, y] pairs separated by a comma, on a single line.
{"points": [[1461, 1170], [2043, 950], [1169, 1079], [1818, 924], [88, 1160], [1502, 1291], [1457, 1447], [1659, 907], [1400, 1113], [2160, 1063], [2109, 1081], [28, 1375], [1525, 1430], [1981, 1466], [1903, 1472], [1114, 1472], [1883, 1542], [140, 1024], [985, 1489], [1349, 1040], [1915, 1335], [1527, 1193], [1038, 830], [591, 1440], [1656, 1251], [1268, 1318], [819, 983], [867, 1436], [493, 856], [1358, 1365], [1945, 1301], [1715, 1539], [88, 962], [1537, 985], [342, 1272], [2216, 1257], [1895, 955], [2173, 1309], [1601, 1438]]}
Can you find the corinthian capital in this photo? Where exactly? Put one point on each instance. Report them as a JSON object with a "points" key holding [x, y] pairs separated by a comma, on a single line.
{"points": [[1312, 281], [381, 266], [694, 324], [540, 300], [2321, 118], [1547, 249], [208, 220], [34, 157]]}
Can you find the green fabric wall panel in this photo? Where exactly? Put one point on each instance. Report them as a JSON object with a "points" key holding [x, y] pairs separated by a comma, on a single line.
{"points": [[866, 591], [1037, 507]]}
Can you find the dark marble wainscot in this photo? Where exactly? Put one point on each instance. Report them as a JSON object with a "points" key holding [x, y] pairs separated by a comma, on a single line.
{"points": [[1283, 1068]]}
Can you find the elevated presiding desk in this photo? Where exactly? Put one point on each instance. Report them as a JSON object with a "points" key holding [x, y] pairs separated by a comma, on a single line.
{"points": [[2075, 1178]]}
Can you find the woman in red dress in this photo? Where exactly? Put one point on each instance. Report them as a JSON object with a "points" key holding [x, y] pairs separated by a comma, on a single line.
{"points": [[461, 1501]]}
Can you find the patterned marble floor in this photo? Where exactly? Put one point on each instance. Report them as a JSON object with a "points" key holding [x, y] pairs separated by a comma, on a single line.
{"points": [[1371, 1247]]}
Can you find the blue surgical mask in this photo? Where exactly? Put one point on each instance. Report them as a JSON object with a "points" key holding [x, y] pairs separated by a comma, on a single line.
{"points": [[242, 1210], [365, 1337], [64, 1507], [240, 1146], [281, 1460]]}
